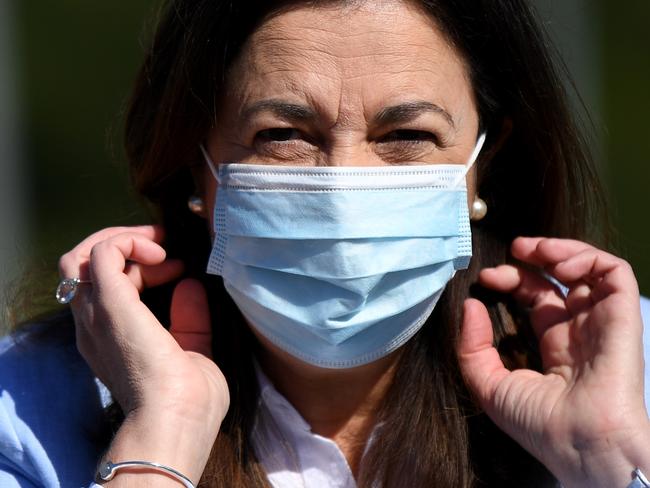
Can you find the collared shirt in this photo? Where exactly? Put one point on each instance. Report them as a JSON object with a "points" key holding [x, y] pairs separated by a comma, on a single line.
{"points": [[51, 415], [306, 459]]}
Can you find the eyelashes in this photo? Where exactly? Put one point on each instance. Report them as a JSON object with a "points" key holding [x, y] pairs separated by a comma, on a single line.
{"points": [[279, 134], [288, 134], [409, 136], [394, 147], [285, 144]]}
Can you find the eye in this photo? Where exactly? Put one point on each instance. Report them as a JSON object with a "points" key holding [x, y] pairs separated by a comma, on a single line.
{"points": [[279, 134], [284, 144], [409, 136]]}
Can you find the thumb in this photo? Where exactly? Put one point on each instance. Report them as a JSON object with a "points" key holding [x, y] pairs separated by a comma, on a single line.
{"points": [[190, 318], [479, 360]]}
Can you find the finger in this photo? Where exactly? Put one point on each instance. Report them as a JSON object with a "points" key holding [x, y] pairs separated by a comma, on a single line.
{"points": [[606, 286], [528, 287], [74, 263], [596, 268], [479, 361], [592, 275], [190, 318], [108, 260], [111, 295], [541, 251], [531, 290], [575, 264], [579, 298], [143, 276]]}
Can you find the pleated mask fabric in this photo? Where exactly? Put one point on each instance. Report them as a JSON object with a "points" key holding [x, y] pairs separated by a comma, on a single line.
{"points": [[339, 266]]}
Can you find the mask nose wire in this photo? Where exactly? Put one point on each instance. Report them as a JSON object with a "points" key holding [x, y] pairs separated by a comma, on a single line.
{"points": [[472, 159], [211, 165]]}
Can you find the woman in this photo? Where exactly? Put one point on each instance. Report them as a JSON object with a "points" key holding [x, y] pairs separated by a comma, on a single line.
{"points": [[327, 354]]}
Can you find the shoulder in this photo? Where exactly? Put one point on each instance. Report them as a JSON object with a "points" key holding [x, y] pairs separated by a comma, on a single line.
{"points": [[645, 312], [645, 317], [51, 415]]}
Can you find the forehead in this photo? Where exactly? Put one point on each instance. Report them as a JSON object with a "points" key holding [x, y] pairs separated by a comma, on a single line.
{"points": [[370, 53]]}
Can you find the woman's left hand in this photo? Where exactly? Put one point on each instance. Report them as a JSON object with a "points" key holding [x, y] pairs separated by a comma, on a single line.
{"points": [[584, 417]]}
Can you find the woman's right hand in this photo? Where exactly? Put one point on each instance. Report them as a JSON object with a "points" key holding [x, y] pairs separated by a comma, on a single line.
{"points": [[173, 395]]}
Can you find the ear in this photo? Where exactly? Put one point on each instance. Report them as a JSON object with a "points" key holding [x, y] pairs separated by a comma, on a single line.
{"points": [[488, 153], [197, 200], [502, 137], [197, 169]]}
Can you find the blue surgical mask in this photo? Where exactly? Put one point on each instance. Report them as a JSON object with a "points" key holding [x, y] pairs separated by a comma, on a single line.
{"points": [[339, 266]]}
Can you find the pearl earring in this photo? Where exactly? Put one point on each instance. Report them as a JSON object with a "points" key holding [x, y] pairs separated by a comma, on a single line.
{"points": [[196, 205], [479, 209]]}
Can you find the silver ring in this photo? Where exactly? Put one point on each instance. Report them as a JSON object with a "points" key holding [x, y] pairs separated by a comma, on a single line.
{"points": [[67, 289]]}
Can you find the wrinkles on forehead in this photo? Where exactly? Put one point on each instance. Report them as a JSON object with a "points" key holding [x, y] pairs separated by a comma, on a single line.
{"points": [[344, 42], [345, 62]]}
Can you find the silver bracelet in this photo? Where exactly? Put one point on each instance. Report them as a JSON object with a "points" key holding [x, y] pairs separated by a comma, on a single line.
{"points": [[639, 481], [109, 469]]}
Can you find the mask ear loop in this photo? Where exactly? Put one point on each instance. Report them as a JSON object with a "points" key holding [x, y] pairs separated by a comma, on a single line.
{"points": [[208, 159], [472, 159]]}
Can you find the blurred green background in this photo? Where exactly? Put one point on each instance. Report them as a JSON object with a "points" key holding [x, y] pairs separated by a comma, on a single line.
{"points": [[68, 67]]}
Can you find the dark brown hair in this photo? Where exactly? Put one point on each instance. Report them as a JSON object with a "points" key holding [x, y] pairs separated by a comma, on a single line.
{"points": [[539, 182]]}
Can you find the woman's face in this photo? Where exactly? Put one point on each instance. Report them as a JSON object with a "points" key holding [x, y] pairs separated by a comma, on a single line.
{"points": [[371, 85]]}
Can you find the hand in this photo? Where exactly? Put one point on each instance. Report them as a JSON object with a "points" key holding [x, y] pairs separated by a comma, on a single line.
{"points": [[584, 416], [162, 380]]}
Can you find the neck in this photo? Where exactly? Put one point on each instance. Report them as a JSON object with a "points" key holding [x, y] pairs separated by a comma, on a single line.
{"points": [[340, 404]]}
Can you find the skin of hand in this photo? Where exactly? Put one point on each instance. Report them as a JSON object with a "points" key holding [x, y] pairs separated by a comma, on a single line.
{"points": [[346, 70], [165, 381], [584, 417]]}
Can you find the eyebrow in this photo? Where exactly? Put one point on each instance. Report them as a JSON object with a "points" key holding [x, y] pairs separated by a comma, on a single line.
{"points": [[409, 111], [395, 114], [281, 109]]}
